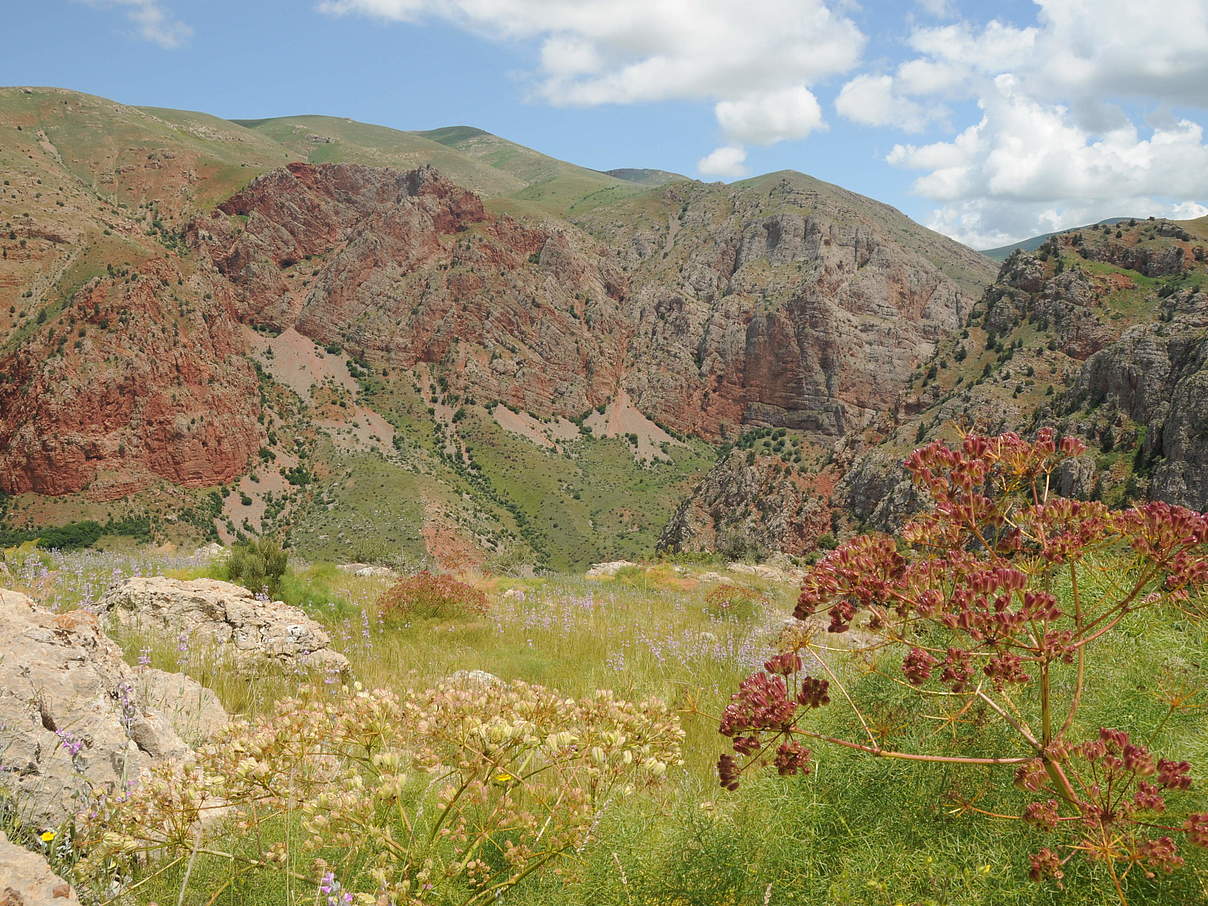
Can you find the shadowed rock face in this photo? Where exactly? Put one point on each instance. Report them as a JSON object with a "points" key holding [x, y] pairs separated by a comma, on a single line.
{"points": [[749, 509]]}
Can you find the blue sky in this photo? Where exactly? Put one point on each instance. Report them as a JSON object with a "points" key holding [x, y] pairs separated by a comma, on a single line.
{"points": [[988, 121]]}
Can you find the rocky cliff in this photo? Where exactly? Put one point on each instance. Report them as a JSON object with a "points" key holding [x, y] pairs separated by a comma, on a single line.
{"points": [[199, 308], [1100, 331]]}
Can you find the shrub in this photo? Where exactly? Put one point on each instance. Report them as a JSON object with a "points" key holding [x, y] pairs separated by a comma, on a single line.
{"points": [[429, 596], [447, 795], [739, 603], [257, 565], [991, 607]]}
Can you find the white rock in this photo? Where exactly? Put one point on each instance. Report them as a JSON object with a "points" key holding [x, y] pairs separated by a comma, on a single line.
{"points": [[610, 568], [254, 633], [63, 684], [27, 880], [473, 678], [513, 594]]}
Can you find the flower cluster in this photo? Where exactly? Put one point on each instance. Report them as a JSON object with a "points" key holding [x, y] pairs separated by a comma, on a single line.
{"points": [[982, 602], [1108, 798], [456, 790]]}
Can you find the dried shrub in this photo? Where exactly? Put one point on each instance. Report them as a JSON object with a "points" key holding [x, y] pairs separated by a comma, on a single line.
{"points": [[448, 795], [429, 596], [739, 603], [992, 604]]}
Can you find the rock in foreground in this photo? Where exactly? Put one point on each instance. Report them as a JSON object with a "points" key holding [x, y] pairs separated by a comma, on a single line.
{"points": [[26, 879], [72, 714], [256, 633]]}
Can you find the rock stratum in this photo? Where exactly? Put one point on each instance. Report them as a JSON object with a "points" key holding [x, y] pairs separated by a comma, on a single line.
{"points": [[282, 326]]}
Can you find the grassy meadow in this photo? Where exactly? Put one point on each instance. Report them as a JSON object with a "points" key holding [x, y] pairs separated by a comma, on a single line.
{"points": [[857, 830]]}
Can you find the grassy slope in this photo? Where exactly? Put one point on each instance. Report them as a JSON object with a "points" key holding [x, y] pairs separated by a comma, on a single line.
{"points": [[550, 184], [856, 832]]}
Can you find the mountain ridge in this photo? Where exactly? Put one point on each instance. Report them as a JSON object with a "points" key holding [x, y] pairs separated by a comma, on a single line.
{"points": [[507, 353]]}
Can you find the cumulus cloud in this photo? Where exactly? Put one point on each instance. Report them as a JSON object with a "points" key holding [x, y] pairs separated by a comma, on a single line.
{"points": [[1026, 167], [153, 22], [1055, 145], [771, 116], [872, 101], [756, 62], [726, 162]]}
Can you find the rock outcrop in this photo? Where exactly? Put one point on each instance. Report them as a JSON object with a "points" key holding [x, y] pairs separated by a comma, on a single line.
{"points": [[27, 880], [73, 715], [255, 633], [750, 508]]}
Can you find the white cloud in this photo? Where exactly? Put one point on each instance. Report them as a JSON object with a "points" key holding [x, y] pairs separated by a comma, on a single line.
{"points": [[154, 23], [726, 162], [940, 9], [771, 116], [755, 61], [1028, 168], [872, 101], [1054, 146]]}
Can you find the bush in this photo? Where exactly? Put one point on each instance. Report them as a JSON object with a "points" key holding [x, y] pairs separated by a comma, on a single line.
{"points": [[257, 565], [429, 596], [995, 604], [739, 603], [447, 795]]}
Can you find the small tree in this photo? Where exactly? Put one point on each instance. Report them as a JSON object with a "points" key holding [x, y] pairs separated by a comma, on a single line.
{"points": [[990, 606], [258, 565]]}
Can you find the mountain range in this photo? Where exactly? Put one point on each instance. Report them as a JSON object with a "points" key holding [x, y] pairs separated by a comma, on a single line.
{"points": [[388, 345]]}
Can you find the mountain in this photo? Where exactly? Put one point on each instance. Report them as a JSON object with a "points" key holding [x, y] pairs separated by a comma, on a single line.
{"points": [[646, 177], [1003, 252], [386, 344]]}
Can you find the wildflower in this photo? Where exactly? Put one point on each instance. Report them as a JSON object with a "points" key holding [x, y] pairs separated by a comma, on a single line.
{"points": [[792, 758], [1045, 864], [47, 836], [918, 665], [504, 779], [727, 772]]}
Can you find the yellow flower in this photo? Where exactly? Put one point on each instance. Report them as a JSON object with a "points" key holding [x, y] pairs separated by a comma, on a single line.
{"points": [[47, 836], [504, 779]]}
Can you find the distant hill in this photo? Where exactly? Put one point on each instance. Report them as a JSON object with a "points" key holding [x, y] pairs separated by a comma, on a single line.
{"points": [[646, 177], [1003, 252], [431, 345]]}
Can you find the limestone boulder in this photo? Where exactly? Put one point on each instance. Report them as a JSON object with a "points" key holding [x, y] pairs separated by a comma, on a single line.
{"points": [[74, 719], [254, 632], [27, 880]]}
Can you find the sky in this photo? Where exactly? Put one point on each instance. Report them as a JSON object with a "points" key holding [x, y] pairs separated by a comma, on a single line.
{"points": [[987, 121]]}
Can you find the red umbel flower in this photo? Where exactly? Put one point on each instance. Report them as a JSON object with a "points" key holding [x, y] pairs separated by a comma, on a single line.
{"points": [[727, 772], [761, 703], [918, 665], [1161, 854], [783, 664], [1196, 828], [1045, 864], [1148, 798], [1042, 815], [792, 758], [957, 670], [814, 693], [1174, 775]]}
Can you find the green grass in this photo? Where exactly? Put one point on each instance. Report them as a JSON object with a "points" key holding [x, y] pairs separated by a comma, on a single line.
{"points": [[857, 831]]}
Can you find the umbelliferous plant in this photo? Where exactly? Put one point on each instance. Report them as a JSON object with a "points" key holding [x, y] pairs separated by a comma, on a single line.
{"points": [[990, 606], [450, 795]]}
